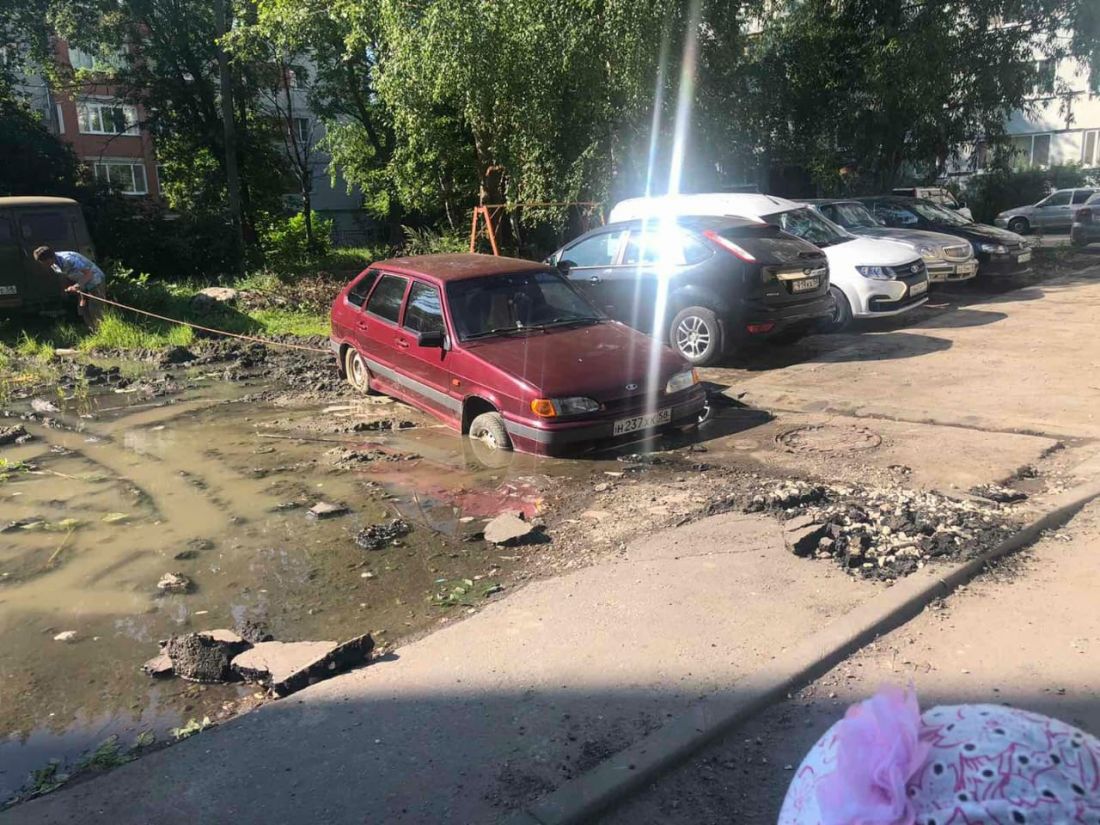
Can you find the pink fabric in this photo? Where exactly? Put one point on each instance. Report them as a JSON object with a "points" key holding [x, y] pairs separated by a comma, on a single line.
{"points": [[974, 765], [877, 750]]}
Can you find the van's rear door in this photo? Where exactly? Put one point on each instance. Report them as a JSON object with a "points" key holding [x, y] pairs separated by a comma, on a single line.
{"points": [[54, 226], [12, 270]]}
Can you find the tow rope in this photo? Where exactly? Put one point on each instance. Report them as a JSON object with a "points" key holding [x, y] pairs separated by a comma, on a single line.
{"points": [[254, 339]]}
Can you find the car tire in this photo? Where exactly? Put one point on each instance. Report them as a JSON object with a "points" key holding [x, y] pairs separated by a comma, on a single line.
{"points": [[1077, 240], [842, 311], [356, 370], [696, 334], [1021, 226], [488, 429]]}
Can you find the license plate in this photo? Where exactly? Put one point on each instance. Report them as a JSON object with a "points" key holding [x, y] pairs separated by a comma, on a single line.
{"points": [[9, 290], [805, 284], [918, 288], [1023, 257], [641, 422]]}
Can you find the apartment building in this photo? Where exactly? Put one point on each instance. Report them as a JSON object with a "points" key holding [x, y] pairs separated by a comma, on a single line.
{"points": [[1061, 125]]}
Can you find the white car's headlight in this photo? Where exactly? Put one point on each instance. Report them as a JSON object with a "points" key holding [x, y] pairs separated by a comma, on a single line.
{"points": [[876, 273], [995, 248], [681, 381], [930, 252]]}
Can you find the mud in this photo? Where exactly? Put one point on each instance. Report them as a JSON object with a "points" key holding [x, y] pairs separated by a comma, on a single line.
{"points": [[205, 467]]}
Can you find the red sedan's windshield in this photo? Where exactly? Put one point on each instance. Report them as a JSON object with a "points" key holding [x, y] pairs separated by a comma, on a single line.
{"points": [[502, 304]]}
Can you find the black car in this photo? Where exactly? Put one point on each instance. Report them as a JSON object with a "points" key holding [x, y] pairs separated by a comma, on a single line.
{"points": [[999, 251], [704, 284]]}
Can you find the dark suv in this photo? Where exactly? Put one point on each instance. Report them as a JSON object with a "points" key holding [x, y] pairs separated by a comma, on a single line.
{"points": [[704, 284], [999, 251]]}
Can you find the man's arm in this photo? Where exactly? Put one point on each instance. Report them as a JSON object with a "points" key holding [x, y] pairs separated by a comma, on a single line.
{"points": [[84, 277]]}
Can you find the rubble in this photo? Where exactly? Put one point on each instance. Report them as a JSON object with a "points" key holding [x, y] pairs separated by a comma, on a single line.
{"points": [[158, 666], [324, 509], [995, 492], [16, 434], [214, 296], [174, 583], [884, 533], [508, 528], [204, 656], [378, 536], [65, 636]]}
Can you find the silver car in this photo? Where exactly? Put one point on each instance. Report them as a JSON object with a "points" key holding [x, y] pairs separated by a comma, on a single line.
{"points": [[1055, 211], [946, 257]]}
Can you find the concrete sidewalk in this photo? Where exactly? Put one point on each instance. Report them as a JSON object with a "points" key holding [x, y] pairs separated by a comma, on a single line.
{"points": [[493, 712], [1027, 635]]}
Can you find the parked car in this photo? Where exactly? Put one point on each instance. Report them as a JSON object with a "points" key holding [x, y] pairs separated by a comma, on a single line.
{"points": [[868, 277], [999, 251], [946, 257], [717, 281], [508, 352], [1055, 211], [25, 224], [1086, 223], [938, 195]]}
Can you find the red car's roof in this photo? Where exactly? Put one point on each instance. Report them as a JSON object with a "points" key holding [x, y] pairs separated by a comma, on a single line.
{"points": [[457, 267]]}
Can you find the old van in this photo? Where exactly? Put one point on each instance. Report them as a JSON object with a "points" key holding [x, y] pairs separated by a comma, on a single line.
{"points": [[25, 224]]}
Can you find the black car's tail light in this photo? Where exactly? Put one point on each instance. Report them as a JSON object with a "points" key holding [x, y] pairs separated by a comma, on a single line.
{"points": [[729, 246]]}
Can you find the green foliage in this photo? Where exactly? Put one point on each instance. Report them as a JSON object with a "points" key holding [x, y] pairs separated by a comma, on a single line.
{"points": [[33, 161], [869, 88], [192, 727], [285, 243], [998, 189], [427, 241]]}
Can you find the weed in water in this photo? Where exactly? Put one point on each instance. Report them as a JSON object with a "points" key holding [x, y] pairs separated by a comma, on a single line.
{"points": [[8, 469], [192, 727], [108, 755]]}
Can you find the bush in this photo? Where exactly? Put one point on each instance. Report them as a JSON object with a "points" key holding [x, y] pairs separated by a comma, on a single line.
{"points": [[286, 247], [992, 192], [427, 241], [145, 237]]}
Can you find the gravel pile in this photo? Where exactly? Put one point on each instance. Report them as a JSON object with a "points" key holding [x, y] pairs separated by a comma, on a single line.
{"points": [[882, 533]]}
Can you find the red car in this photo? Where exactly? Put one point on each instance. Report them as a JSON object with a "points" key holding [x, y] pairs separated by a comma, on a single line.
{"points": [[508, 352]]}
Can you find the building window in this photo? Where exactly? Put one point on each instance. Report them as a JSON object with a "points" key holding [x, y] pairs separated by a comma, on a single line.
{"points": [[106, 118], [302, 130], [1044, 77], [1090, 149], [1030, 150], [124, 176], [107, 62]]}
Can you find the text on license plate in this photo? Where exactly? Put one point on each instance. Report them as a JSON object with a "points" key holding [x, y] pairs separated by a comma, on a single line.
{"points": [[641, 422], [804, 284], [9, 290], [1023, 257], [918, 288]]}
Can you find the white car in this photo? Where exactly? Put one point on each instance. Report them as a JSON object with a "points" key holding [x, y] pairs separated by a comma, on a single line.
{"points": [[869, 277]]}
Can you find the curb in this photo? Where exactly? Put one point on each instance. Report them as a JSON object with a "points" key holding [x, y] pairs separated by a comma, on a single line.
{"points": [[583, 798]]}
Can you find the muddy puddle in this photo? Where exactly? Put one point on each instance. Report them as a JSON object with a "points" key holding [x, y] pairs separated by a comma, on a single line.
{"points": [[216, 486]]}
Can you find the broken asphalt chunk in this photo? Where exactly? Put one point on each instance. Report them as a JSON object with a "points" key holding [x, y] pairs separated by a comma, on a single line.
{"points": [[378, 536], [508, 528], [286, 667], [205, 656], [324, 509]]}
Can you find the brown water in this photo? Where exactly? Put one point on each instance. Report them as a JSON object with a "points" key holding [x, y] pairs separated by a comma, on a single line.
{"points": [[226, 483]]}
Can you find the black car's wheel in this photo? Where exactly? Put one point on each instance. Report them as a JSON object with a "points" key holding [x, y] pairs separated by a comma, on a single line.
{"points": [[696, 335], [1021, 226], [1078, 239], [356, 369], [488, 429], [842, 312]]}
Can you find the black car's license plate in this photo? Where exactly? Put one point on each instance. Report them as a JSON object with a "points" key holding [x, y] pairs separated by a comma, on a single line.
{"points": [[805, 284]]}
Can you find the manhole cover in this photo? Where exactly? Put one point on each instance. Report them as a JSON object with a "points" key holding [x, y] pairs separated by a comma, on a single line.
{"points": [[827, 438]]}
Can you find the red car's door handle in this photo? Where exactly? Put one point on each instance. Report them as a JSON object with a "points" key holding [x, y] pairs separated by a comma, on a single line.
{"points": [[402, 342]]}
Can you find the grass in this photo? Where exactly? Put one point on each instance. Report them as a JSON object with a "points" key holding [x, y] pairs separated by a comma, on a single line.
{"points": [[281, 306]]}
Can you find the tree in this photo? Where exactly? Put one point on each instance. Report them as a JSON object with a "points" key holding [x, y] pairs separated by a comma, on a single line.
{"points": [[878, 87], [32, 160]]}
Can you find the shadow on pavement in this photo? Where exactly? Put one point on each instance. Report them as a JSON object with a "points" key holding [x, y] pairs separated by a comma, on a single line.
{"points": [[962, 318], [884, 346]]}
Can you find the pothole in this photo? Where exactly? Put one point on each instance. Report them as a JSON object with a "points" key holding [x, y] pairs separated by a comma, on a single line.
{"points": [[828, 438]]}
